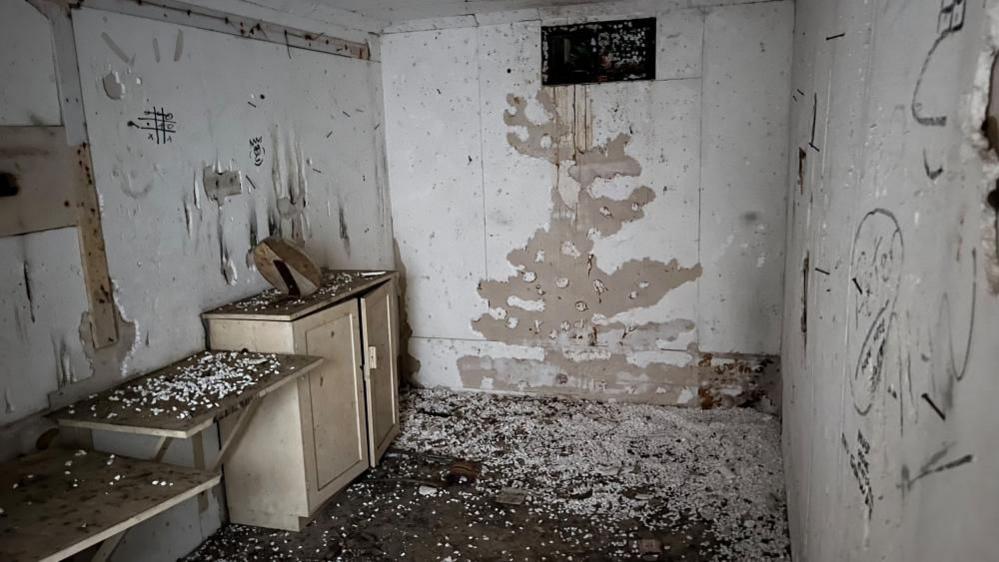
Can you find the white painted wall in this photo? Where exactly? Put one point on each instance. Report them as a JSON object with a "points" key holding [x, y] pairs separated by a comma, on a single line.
{"points": [[172, 251], [316, 117], [856, 426], [39, 341], [463, 197]]}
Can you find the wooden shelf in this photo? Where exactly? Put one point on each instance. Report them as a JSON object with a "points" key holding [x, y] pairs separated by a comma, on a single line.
{"points": [[60, 502], [186, 397]]}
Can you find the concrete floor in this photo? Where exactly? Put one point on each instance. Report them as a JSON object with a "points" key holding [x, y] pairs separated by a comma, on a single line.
{"points": [[603, 481]]}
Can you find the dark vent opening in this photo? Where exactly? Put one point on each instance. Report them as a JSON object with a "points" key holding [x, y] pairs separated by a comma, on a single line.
{"points": [[607, 51]]}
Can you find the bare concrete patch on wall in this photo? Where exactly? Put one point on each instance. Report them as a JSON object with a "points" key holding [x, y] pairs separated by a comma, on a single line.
{"points": [[563, 302]]}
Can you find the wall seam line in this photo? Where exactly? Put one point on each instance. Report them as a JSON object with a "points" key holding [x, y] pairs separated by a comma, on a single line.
{"points": [[700, 172], [482, 153]]}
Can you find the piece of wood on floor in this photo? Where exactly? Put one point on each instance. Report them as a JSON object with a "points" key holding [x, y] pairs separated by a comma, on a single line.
{"points": [[60, 502]]}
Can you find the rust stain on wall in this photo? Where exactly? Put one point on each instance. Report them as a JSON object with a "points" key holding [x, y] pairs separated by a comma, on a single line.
{"points": [[564, 302]]}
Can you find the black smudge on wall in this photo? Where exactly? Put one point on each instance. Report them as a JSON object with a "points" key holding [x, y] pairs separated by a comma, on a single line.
{"points": [[344, 234], [27, 292]]}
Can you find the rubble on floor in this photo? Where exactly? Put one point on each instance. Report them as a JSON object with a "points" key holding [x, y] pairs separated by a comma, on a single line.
{"points": [[594, 481]]}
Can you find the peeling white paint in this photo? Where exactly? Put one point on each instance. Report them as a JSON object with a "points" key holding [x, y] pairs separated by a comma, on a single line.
{"points": [[531, 305]]}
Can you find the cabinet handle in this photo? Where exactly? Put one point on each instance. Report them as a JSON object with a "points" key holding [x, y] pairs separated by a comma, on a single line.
{"points": [[373, 357]]}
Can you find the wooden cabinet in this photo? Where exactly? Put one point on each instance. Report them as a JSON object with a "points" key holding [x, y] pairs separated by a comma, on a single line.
{"points": [[381, 339], [307, 441]]}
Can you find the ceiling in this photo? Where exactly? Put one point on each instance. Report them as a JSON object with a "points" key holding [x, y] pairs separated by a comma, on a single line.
{"points": [[394, 11]]}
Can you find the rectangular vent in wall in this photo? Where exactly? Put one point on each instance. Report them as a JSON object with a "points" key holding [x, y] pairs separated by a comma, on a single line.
{"points": [[606, 51]]}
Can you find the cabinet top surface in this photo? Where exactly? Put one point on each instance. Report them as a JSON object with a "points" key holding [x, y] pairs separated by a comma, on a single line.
{"points": [[338, 285], [185, 397], [59, 502]]}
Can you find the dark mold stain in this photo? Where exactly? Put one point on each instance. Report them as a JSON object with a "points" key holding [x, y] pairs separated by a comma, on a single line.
{"points": [[344, 234], [408, 364], [27, 291]]}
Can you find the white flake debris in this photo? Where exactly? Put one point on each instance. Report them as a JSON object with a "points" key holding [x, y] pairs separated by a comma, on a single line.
{"points": [[596, 481], [333, 283], [195, 388]]}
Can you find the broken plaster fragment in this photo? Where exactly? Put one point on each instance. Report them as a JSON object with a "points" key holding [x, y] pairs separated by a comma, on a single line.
{"points": [[569, 249]]}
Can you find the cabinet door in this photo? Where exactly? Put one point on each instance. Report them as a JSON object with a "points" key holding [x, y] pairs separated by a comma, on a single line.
{"points": [[378, 319], [334, 420]]}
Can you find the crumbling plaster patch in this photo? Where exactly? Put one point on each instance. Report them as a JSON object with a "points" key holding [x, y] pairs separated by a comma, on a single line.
{"points": [[695, 379], [572, 297], [501, 182]]}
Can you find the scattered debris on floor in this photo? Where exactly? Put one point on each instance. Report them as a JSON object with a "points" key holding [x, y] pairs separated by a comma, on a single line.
{"points": [[520, 478]]}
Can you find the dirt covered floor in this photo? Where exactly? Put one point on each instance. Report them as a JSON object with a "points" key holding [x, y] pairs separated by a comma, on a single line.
{"points": [[487, 477]]}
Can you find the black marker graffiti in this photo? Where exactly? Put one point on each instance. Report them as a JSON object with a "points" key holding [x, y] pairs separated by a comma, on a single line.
{"points": [[861, 467], [951, 16], [815, 112], [950, 19], [931, 173], [160, 125], [929, 401], [933, 466], [876, 272], [257, 150], [957, 373]]}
